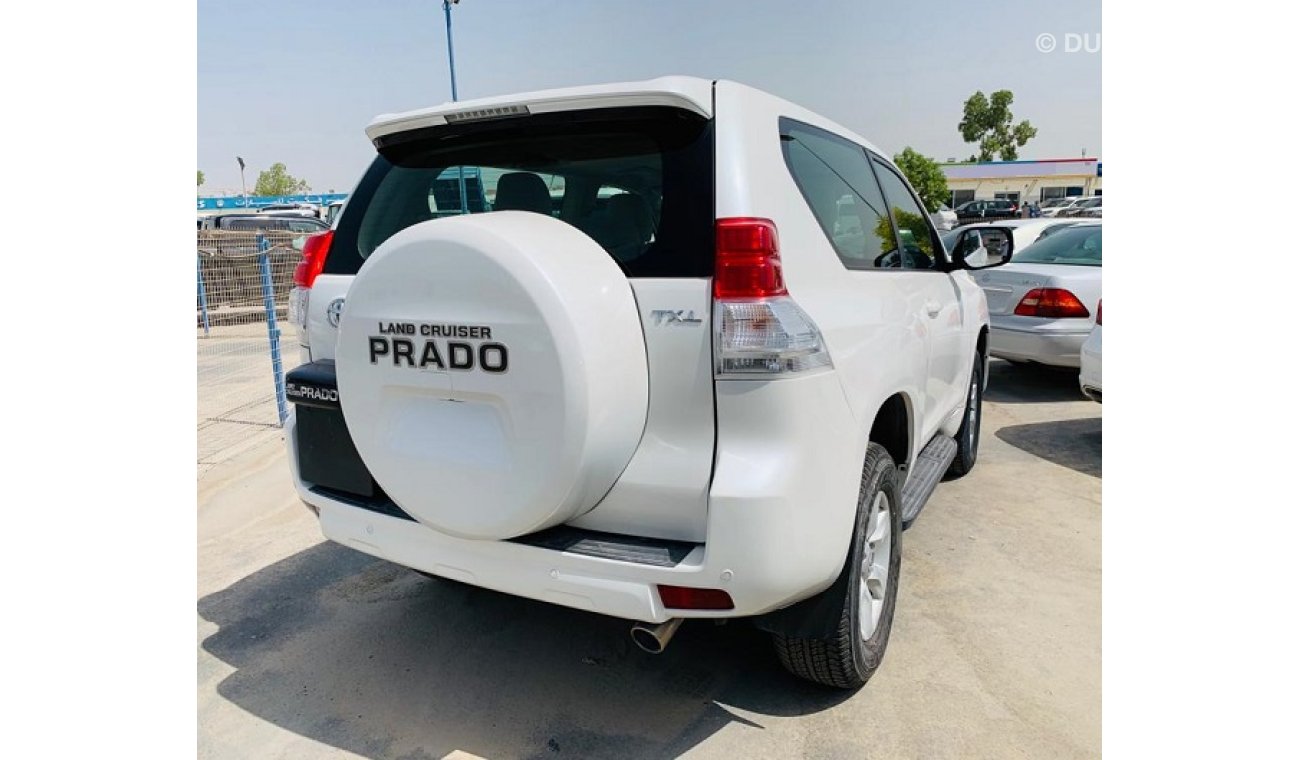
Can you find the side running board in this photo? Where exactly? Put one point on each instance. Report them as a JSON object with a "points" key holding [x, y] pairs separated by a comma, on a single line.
{"points": [[931, 464]]}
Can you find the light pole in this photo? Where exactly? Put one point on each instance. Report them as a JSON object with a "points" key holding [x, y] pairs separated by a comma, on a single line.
{"points": [[242, 183], [451, 64], [451, 55]]}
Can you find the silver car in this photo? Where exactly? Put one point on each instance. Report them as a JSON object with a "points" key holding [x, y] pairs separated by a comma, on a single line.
{"points": [[1040, 304]]}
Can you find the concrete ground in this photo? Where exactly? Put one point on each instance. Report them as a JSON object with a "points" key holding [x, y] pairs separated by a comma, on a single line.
{"points": [[309, 649], [236, 390]]}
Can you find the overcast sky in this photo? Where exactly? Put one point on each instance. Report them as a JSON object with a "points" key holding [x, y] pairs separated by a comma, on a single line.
{"points": [[296, 81]]}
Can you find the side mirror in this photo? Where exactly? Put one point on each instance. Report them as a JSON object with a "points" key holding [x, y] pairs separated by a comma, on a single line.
{"points": [[983, 248]]}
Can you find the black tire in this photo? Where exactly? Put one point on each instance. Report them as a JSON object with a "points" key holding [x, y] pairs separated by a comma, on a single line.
{"points": [[968, 437], [844, 660]]}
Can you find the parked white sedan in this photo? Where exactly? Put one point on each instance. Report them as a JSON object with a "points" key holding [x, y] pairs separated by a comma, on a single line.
{"points": [[1090, 361], [1037, 302]]}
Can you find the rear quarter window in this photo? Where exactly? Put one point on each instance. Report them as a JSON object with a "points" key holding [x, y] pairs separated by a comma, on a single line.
{"points": [[834, 177]]}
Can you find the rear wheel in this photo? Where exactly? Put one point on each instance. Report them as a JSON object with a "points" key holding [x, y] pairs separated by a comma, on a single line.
{"points": [[968, 437], [848, 657]]}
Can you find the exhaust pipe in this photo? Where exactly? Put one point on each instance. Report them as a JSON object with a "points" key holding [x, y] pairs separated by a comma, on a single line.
{"points": [[654, 638]]}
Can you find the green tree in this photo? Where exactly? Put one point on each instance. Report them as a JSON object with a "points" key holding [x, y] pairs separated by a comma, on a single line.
{"points": [[926, 177], [987, 121], [200, 178], [912, 229], [278, 181]]}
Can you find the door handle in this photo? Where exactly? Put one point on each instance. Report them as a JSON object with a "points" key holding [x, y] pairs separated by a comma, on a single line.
{"points": [[932, 308]]}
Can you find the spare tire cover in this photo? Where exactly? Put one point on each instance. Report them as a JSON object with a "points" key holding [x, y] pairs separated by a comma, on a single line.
{"points": [[492, 372]]}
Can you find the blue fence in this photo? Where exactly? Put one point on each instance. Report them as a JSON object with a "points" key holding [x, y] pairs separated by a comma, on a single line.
{"points": [[243, 282]]}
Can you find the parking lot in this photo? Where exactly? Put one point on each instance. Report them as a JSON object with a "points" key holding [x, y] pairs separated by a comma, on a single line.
{"points": [[309, 649]]}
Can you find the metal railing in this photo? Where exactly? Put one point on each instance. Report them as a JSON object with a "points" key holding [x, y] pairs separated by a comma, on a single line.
{"points": [[243, 282]]}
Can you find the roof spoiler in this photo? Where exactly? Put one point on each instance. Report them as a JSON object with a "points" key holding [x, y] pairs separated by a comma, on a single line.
{"points": [[688, 93]]}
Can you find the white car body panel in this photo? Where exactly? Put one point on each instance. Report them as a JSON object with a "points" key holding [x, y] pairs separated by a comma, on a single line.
{"points": [[763, 474], [1090, 365], [664, 490]]}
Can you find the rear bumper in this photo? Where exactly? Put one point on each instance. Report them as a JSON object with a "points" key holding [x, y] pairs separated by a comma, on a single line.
{"points": [[1052, 342], [781, 511]]}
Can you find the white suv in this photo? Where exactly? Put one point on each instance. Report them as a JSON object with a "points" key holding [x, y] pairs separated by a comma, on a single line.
{"points": [[699, 354]]}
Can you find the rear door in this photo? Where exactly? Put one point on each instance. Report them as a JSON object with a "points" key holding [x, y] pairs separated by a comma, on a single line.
{"points": [[638, 181]]}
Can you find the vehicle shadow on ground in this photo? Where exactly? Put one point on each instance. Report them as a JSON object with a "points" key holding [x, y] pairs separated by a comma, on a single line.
{"points": [[1031, 383], [372, 658], [1070, 443]]}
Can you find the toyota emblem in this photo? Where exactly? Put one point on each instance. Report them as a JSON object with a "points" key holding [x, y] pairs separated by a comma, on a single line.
{"points": [[334, 312]]}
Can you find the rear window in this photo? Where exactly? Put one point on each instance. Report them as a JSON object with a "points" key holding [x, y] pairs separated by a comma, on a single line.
{"points": [[638, 181], [1077, 246]]}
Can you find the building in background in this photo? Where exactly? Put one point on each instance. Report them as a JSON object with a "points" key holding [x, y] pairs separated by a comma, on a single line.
{"points": [[1023, 180]]}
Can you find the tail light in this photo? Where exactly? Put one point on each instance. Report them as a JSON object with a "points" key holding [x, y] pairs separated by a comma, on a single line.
{"points": [[758, 328], [684, 598], [748, 259], [1099, 313], [314, 252], [1053, 303]]}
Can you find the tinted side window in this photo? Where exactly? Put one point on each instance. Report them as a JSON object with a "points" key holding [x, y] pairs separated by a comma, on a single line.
{"points": [[919, 251], [834, 177]]}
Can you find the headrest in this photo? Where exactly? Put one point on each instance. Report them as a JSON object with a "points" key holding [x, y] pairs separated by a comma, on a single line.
{"points": [[522, 191]]}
